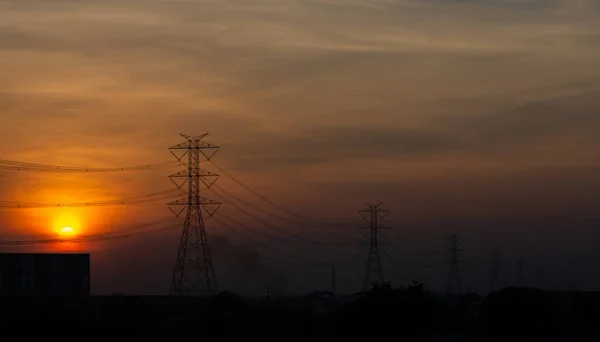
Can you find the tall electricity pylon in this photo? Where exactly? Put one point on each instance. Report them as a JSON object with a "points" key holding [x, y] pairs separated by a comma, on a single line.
{"points": [[194, 273], [454, 284], [494, 271], [374, 271]]}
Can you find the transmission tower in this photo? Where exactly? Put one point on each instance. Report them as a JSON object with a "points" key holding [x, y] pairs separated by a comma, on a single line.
{"points": [[374, 271], [538, 277], [520, 273], [494, 271], [454, 284], [194, 273]]}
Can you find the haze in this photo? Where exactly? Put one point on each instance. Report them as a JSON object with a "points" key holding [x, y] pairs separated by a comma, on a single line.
{"points": [[475, 117]]}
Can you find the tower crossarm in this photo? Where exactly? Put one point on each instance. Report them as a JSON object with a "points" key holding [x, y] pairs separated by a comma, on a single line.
{"points": [[193, 145], [197, 173], [202, 201]]}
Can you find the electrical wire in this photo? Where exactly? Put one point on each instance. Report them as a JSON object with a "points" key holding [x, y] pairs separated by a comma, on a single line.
{"points": [[162, 195], [280, 207], [259, 209], [296, 236], [293, 258], [250, 228], [412, 249], [13, 165], [399, 256], [103, 236], [80, 240], [260, 244]]}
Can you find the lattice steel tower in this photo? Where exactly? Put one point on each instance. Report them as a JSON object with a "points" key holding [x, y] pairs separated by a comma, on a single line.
{"points": [[495, 271], [520, 273], [374, 271], [454, 284], [194, 273]]}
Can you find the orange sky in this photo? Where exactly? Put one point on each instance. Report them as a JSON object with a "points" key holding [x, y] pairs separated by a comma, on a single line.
{"points": [[442, 109]]}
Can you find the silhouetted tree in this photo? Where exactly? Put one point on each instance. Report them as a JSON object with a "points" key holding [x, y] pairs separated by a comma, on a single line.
{"points": [[375, 308], [520, 312], [417, 309], [584, 314]]}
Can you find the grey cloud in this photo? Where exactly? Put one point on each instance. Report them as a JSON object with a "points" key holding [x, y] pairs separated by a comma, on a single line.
{"points": [[334, 143], [540, 193], [520, 127], [280, 84], [14, 39], [536, 121], [511, 4], [36, 105]]}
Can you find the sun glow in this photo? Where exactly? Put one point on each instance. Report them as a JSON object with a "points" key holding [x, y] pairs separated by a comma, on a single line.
{"points": [[67, 231], [66, 225]]}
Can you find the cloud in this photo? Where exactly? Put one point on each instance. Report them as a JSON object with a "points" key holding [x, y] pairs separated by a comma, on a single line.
{"points": [[536, 122], [263, 67], [390, 91], [542, 194], [524, 126]]}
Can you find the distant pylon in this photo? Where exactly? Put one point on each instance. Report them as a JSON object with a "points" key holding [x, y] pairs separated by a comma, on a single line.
{"points": [[454, 284], [333, 279], [494, 271], [194, 273], [539, 283], [374, 271], [520, 273]]}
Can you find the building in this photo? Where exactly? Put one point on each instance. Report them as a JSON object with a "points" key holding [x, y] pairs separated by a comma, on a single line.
{"points": [[33, 275]]}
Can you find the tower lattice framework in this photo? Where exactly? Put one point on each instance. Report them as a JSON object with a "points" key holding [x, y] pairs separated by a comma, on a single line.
{"points": [[194, 273], [374, 270], [454, 283], [495, 271]]}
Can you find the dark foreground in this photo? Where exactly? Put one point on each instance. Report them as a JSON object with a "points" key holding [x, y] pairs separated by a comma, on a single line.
{"points": [[409, 314]]}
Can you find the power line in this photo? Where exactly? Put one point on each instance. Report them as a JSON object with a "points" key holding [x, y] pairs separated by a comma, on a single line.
{"points": [[259, 209], [296, 260], [102, 236], [292, 257], [412, 249], [276, 205], [261, 232], [166, 194], [274, 227], [398, 256], [13, 165]]}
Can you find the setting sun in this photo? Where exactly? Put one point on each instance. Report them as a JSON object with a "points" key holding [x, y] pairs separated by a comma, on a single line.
{"points": [[67, 231], [66, 224]]}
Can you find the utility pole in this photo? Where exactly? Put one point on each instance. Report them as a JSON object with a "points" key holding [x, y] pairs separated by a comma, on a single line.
{"points": [[454, 284], [374, 271], [538, 277], [194, 273], [333, 279], [494, 272]]}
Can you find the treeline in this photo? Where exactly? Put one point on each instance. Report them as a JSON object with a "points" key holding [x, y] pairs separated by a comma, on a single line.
{"points": [[408, 313]]}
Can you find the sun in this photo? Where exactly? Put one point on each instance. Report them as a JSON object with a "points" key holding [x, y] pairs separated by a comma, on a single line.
{"points": [[66, 231], [65, 224]]}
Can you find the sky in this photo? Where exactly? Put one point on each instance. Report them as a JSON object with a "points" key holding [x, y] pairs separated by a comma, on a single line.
{"points": [[473, 117]]}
